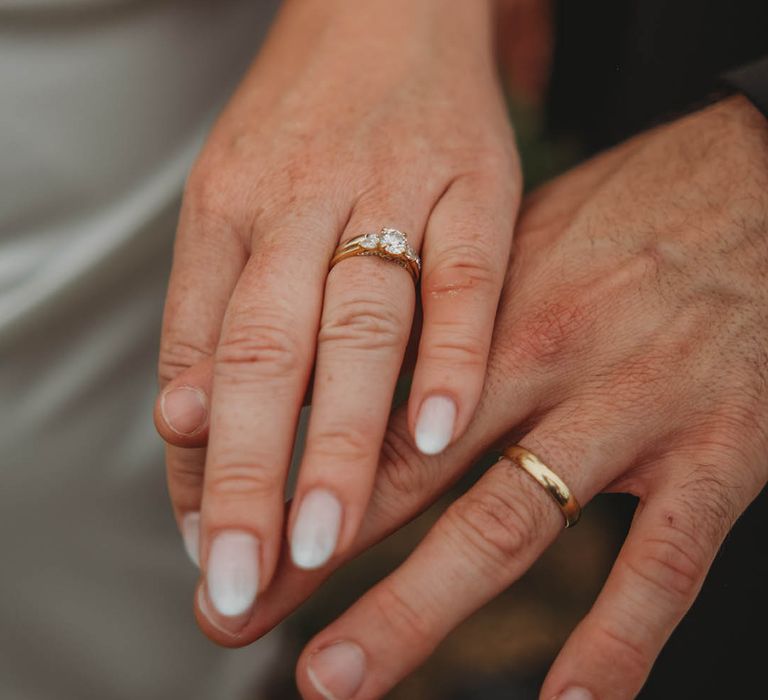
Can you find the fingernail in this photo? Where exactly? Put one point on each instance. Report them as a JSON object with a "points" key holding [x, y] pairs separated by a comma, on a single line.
{"points": [[434, 426], [190, 533], [184, 409], [232, 579], [337, 671], [316, 530], [214, 620], [575, 694]]}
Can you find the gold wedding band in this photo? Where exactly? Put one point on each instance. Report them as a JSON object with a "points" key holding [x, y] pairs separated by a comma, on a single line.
{"points": [[551, 482], [389, 244]]}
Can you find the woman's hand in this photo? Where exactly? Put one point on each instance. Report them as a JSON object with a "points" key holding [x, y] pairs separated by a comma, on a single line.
{"points": [[355, 116], [631, 354]]}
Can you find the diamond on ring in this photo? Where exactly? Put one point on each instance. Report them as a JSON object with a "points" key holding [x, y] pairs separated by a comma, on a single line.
{"points": [[389, 243], [393, 241], [370, 241]]}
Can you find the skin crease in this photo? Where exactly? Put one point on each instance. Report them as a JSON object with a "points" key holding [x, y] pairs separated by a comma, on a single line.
{"points": [[335, 131], [630, 354]]}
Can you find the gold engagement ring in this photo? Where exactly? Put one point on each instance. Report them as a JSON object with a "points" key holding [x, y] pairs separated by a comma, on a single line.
{"points": [[388, 244]]}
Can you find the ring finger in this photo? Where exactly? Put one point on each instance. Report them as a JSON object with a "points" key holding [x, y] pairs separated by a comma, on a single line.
{"points": [[366, 321]]}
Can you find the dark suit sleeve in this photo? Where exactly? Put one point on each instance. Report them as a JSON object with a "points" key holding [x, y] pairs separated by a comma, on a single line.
{"points": [[752, 81]]}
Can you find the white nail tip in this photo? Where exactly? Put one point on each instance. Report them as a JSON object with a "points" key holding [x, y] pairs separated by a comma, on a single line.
{"points": [[576, 694], [316, 530], [190, 533], [318, 686], [233, 572], [435, 424], [203, 605]]}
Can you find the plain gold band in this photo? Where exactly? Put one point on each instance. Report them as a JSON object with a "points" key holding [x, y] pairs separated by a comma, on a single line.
{"points": [[551, 482], [352, 248]]}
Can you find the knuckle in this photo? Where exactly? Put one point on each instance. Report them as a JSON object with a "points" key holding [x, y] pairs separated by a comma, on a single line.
{"points": [[407, 620], [368, 323], [498, 530], [262, 349], [241, 479], [405, 470], [216, 204], [455, 344], [187, 474], [462, 269], [667, 568], [617, 645], [343, 445], [207, 192], [672, 560], [177, 355]]}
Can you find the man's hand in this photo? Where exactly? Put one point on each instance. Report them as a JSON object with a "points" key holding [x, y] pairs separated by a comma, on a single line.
{"points": [[630, 354]]}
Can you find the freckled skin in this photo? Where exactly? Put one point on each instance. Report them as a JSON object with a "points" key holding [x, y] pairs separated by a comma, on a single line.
{"points": [[630, 356], [629, 350], [355, 116]]}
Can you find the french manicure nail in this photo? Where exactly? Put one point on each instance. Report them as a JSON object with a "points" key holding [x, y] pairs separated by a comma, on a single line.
{"points": [[576, 694], [337, 671], [434, 425], [190, 533], [232, 579], [184, 409], [202, 603], [316, 530]]}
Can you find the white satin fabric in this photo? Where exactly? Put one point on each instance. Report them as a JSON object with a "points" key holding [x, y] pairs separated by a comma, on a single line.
{"points": [[103, 106]]}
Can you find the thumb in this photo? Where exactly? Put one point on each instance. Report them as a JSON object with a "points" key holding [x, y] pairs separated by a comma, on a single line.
{"points": [[182, 407]]}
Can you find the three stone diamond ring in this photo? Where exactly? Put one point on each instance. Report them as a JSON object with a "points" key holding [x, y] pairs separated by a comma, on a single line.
{"points": [[389, 244]]}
